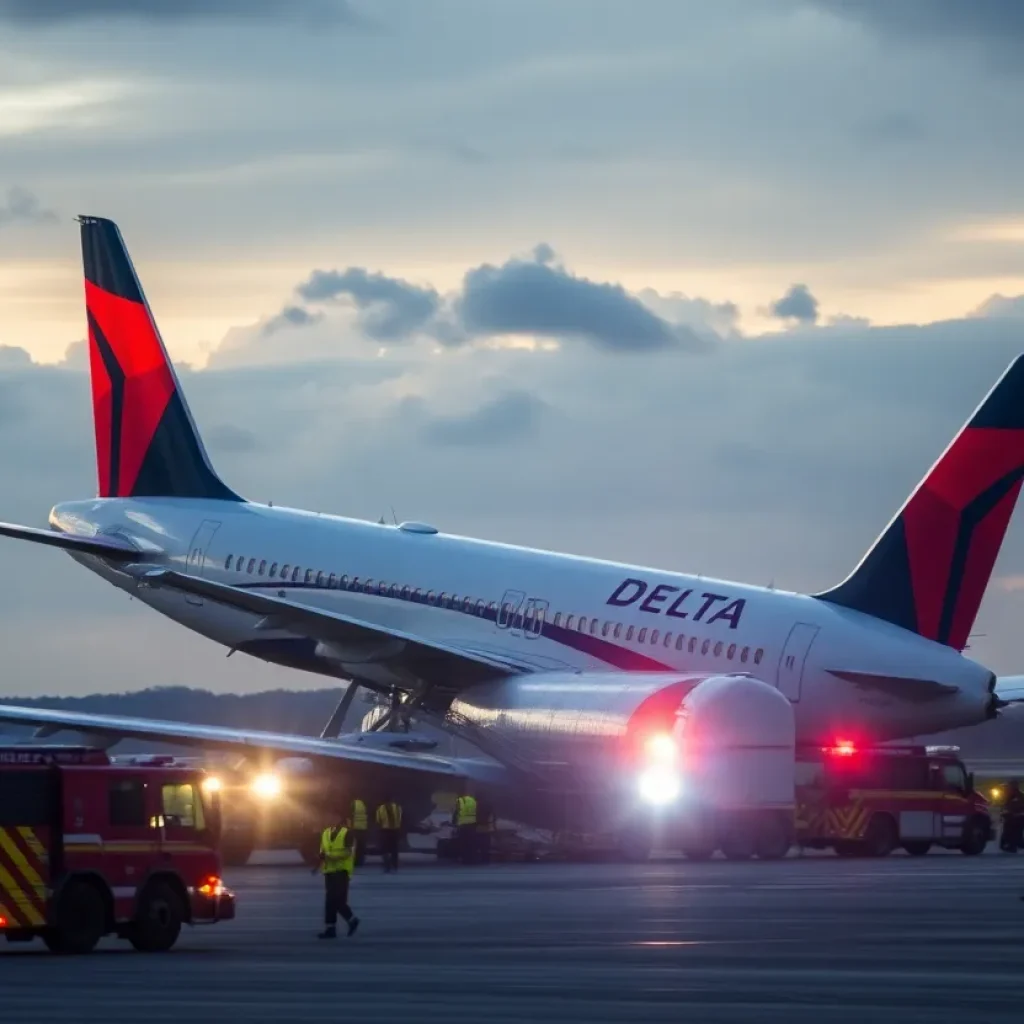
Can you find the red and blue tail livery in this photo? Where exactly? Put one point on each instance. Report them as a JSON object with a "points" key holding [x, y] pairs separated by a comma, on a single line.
{"points": [[929, 570], [146, 442]]}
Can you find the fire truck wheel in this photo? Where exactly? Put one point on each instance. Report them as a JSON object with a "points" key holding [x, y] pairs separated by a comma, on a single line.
{"points": [[81, 920], [975, 838], [159, 920], [918, 847], [738, 841], [772, 842], [882, 836]]}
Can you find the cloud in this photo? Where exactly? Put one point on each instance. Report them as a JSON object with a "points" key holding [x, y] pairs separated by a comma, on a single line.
{"points": [[22, 206], [392, 310], [1002, 306], [290, 316], [48, 12], [226, 437], [797, 304], [504, 419], [535, 297]]}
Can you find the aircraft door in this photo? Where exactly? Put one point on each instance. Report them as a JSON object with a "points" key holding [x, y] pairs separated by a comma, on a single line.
{"points": [[794, 655], [196, 561]]}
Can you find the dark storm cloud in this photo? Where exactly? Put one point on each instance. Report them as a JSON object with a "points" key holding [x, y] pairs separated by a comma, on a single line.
{"points": [[49, 12], [390, 309], [797, 304], [24, 207], [537, 297], [290, 316], [505, 419]]}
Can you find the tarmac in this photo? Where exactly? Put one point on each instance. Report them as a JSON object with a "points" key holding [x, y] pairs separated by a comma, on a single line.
{"points": [[935, 939]]}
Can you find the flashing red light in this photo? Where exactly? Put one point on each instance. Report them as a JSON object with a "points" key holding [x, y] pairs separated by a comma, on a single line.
{"points": [[842, 748], [3, 921], [212, 886], [661, 747]]}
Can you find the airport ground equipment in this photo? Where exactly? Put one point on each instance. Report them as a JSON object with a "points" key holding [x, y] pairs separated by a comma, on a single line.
{"points": [[90, 848], [872, 801]]}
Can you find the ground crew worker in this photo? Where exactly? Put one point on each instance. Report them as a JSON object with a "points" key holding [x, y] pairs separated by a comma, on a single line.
{"points": [[389, 821], [359, 822], [337, 860], [485, 827], [1012, 837], [464, 820]]}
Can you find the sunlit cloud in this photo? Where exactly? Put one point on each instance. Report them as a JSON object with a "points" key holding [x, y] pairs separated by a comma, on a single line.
{"points": [[75, 104]]}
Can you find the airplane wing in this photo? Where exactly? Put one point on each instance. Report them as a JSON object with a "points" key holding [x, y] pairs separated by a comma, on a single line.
{"points": [[211, 737], [103, 545], [358, 641]]}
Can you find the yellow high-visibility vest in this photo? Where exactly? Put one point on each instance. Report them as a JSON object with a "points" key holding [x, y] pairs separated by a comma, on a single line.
{"points": [[336, 856], [360, 822], [389, 816], [465, 810]]}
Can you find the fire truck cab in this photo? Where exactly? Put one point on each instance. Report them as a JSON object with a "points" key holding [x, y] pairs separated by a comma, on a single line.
{"points": [[869, 802], [89, 848]]}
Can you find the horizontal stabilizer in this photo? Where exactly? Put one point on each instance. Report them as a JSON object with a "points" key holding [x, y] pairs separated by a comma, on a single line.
{"points": [[104, 546], [1010, 689], [904, 687]]}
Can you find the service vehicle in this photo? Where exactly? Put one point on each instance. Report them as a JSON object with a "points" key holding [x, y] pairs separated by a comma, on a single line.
{"points": [[90, 848], [872, 801]]}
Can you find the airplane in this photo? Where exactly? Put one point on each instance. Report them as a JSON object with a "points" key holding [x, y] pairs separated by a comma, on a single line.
{"points": [[530, 655]]}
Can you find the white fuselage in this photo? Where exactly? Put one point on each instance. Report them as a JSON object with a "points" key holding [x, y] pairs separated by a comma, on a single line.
{"points": [[546, 613]]}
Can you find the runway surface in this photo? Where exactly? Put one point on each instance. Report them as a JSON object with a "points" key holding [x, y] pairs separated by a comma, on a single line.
{"points": [[935, 939]]}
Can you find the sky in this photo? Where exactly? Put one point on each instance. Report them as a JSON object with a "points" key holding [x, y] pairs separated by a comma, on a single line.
{"points": [[700, 286]]}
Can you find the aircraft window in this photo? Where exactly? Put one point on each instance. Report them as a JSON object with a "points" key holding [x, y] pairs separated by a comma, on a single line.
{"points": [[239, 562], [558, 618], [758, 655], [492, 607], [383, 589], [605, 628], [668, 639], [618, 630], [320, 578], [569, 622], [480, 606], [467, 604], [680, 640], [416, 593], [629, 633], [273, 570], [430, 597], [732, 652], [443, 599], [395, 590], [227, 564], [368, 585], [583, 624], [692, 646], [593, 627], [704, 647], [309, 576], [718, 649], [406, 592], [654, 636], [295, 574], [284, 571], [641, 637], [263, 567], [331, 581], [252, 566], [744, 654]]}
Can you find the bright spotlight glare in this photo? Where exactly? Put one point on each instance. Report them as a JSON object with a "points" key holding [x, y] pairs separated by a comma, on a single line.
{"points": [[661, 747], [212, 784], [659, 786], [267, 786]]}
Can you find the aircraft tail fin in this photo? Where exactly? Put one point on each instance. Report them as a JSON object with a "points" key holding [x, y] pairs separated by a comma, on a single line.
{"points": [[929, 569], [147, 444]]}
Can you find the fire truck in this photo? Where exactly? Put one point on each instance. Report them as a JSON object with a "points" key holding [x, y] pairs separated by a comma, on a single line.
{"points": [[870, 802], [89, 848]]}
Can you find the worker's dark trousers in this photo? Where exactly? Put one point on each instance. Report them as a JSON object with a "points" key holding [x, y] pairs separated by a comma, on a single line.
{"points": [[336, 898], [1012, 838], [389, 842], [484, 847], [466, 836], [359, 846]]}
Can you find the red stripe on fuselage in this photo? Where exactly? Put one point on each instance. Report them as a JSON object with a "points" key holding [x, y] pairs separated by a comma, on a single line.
{"points": [[148, 384]]}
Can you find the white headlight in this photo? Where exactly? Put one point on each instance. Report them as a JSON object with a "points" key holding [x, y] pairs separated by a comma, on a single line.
{"points": [[267, 786], [659, 786], [211, 784]]}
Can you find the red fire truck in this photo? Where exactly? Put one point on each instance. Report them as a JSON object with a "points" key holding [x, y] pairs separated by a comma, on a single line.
{"points": [[89, 848], [869, 802]]}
